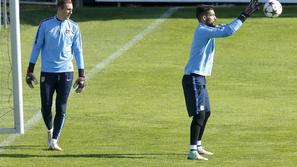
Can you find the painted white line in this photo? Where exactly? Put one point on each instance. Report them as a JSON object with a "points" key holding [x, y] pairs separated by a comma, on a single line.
{"points": [[99, 67], [28, 125]]}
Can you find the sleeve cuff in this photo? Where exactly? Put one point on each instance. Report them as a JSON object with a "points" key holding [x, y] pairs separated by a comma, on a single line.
{"points": [[81, 72], [31, 68], [242, 17]]}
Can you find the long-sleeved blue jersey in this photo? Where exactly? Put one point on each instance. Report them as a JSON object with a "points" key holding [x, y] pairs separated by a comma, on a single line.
{"points": [[58, 41], [203, 46]]}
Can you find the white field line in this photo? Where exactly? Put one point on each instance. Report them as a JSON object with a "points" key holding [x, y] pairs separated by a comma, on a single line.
{"points": [[99, 67]]}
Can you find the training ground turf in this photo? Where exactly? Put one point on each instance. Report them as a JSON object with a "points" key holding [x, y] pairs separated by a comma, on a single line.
{"points": [[132, 112]]}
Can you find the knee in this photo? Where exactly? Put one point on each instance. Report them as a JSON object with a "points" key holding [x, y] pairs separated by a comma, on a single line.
{"points": [[207, 114], [61, 108], [46, 109], [199, 118]]}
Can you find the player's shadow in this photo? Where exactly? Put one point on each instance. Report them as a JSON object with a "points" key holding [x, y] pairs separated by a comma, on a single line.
{"points": [[21, 147], [65, 155], [58, 155]]}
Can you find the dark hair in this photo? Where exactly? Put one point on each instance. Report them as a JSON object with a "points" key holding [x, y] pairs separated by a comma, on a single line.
{"points": [[61, 3], [202, 9]]}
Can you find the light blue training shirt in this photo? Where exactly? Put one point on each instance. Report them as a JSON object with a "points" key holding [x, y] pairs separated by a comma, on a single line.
{"points": [[58, 40], [203, 46]]}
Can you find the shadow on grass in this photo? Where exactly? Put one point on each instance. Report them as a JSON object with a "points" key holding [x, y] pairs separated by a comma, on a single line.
{"points": [[20, 147], [58, 155]]}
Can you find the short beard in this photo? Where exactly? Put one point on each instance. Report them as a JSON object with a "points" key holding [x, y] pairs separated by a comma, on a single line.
{"points": [[211, 25]]}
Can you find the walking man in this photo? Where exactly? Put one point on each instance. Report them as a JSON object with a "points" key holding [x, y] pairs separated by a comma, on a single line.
{"points": [[58, 39]]}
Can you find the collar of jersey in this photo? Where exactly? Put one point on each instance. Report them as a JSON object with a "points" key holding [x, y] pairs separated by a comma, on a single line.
{"points": [[59, 19]]}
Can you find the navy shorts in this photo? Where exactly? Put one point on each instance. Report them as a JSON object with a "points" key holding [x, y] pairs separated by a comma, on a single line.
{"points": [[196, 95]]}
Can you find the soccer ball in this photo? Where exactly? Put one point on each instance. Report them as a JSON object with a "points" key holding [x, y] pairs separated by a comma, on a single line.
{"points": [[272, 8]]}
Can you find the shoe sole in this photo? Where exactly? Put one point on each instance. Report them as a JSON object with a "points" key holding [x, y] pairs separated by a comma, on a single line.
{"points": [[54, 149], [198, 159], [205, 154]]}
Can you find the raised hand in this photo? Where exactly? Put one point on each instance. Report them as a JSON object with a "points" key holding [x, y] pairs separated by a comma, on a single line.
{"points": [[252, 7]]}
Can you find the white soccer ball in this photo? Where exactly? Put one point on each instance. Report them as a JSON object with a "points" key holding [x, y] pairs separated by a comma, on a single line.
{"points": [[272, 8]]}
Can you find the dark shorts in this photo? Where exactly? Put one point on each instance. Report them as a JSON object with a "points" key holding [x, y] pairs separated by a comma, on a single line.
{"points": [[55, 82], [196, 95]]}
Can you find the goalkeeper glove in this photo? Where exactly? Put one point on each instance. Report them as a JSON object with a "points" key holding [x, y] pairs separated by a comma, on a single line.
{"points": [[80, 83], [30, 78], [252, 7]]}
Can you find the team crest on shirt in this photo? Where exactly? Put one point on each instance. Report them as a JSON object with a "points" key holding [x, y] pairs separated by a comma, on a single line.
{"points": [[42, 79], [67, 32]]}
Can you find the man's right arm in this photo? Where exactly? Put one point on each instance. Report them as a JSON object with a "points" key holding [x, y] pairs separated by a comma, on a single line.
{"points": [[38, 43]]}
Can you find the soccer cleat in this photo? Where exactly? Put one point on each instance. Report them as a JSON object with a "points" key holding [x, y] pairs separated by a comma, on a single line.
{"points": [[54, 145], [201, 150], [194, 155]]}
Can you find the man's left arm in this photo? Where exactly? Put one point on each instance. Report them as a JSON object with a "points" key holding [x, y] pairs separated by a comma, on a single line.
{"points": [[232, 27], [80, 82], [223, 30]]}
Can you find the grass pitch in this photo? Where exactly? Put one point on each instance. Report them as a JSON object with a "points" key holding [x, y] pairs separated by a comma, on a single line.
{"points": [[133, 113]]}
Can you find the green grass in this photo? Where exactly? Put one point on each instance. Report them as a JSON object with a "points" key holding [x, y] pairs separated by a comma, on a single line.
{"points": [[6, 115], [133, 113]]}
